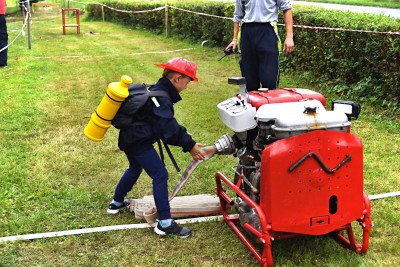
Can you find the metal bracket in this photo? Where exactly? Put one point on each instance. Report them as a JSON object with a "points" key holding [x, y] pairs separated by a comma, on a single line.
{"points": [[326, 169]]}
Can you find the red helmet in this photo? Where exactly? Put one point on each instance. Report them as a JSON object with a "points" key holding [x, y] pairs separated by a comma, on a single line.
{"points": [[182, 66]]}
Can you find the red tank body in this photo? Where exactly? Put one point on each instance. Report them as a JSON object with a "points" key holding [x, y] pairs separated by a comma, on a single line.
{"points": [[284, 95]]}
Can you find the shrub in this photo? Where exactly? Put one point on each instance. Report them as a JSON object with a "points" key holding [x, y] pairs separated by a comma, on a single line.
{"points": [[364, 65], [367, 64]]}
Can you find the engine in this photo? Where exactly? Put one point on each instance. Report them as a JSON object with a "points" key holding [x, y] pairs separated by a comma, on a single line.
{"points": [[261, 118], [299, 168]]}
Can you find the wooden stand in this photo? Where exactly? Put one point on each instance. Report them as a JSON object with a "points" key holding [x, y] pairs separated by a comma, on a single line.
{"points": [[77, 25]]}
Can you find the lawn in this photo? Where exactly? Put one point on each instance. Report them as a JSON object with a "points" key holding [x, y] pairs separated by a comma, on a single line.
{"points": [[53, 178]]}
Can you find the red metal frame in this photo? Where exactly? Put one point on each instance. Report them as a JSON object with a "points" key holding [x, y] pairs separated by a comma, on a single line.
{"points": [[365, 223], [284, 213], [266, 257], [283, 95]]}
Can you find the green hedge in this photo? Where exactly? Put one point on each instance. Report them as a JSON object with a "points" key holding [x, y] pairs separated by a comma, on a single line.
{"points": [[181, 24], [362, 66]]}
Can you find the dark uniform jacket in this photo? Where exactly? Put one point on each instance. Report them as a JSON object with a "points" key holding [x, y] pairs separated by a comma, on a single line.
{"points": [[153, 123]]}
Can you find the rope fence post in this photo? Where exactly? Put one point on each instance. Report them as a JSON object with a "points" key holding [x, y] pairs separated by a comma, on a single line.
{"points": [[23, 12], [166, 20], [102, 12]]}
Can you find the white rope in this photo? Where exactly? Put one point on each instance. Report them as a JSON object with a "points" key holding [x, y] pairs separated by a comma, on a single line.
{"points": [[137, 226], [120, 10], [198, 13], [20, 32], [384, 195], [134, 12], [102, 229]]}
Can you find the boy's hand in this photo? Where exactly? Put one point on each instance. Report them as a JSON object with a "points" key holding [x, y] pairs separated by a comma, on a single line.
{"points": [[196, 153]]}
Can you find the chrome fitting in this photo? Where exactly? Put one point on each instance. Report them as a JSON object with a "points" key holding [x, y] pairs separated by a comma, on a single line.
{"points": [[225, 145]]}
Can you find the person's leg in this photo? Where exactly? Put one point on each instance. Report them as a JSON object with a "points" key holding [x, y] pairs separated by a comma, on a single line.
{"points": [[249, 62], [268, 54], [3, 41], [155, 168], [125, 184]]}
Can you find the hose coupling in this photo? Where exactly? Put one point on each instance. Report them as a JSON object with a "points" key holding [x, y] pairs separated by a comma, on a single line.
{"points": [[225, 145]]}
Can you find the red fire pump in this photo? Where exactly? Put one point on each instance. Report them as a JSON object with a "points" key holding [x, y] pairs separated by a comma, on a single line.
{"points": [[299, 170]]}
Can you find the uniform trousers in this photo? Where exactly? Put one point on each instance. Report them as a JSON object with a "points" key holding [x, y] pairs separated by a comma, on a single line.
{"points": [[150, 161], [260, 56]]}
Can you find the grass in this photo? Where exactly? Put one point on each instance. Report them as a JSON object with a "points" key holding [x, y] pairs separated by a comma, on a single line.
{"points": [[53, 178]]}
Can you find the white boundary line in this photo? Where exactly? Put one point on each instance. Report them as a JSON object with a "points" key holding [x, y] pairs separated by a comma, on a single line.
{"points": [[102, 229], [132, 54], [161, 52], [137, 226], [384, 195]]}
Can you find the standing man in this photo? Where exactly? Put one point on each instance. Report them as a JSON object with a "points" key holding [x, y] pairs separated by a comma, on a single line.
{"points": [[3, 34], [259, 40]]}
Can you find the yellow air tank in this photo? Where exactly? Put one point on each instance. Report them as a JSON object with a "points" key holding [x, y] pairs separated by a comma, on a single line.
{"points": [[112, 100]]}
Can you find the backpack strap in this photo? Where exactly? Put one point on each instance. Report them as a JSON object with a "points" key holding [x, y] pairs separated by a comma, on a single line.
{"points": [[171, 156], [153, 94], [159, 93], [165, 94], [160, 149]]}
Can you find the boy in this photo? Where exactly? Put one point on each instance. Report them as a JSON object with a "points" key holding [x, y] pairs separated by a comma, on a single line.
{"points": [[153, 123]]}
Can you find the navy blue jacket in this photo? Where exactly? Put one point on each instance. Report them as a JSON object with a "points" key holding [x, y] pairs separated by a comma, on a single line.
{"points": [[155, 123]]}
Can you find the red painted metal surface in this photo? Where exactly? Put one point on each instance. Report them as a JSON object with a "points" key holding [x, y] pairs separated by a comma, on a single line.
{"points": [[311, 184], [258, 98], [264, 258], [306, 198]]}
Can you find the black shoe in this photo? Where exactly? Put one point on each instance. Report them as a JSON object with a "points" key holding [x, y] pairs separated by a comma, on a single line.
{"points": [[114, 209], [173, 229]]}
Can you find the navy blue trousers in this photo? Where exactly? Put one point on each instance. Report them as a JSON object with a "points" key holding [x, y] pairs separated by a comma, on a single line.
{"points": [[260, 56], [3, 40], [149, 160]]}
